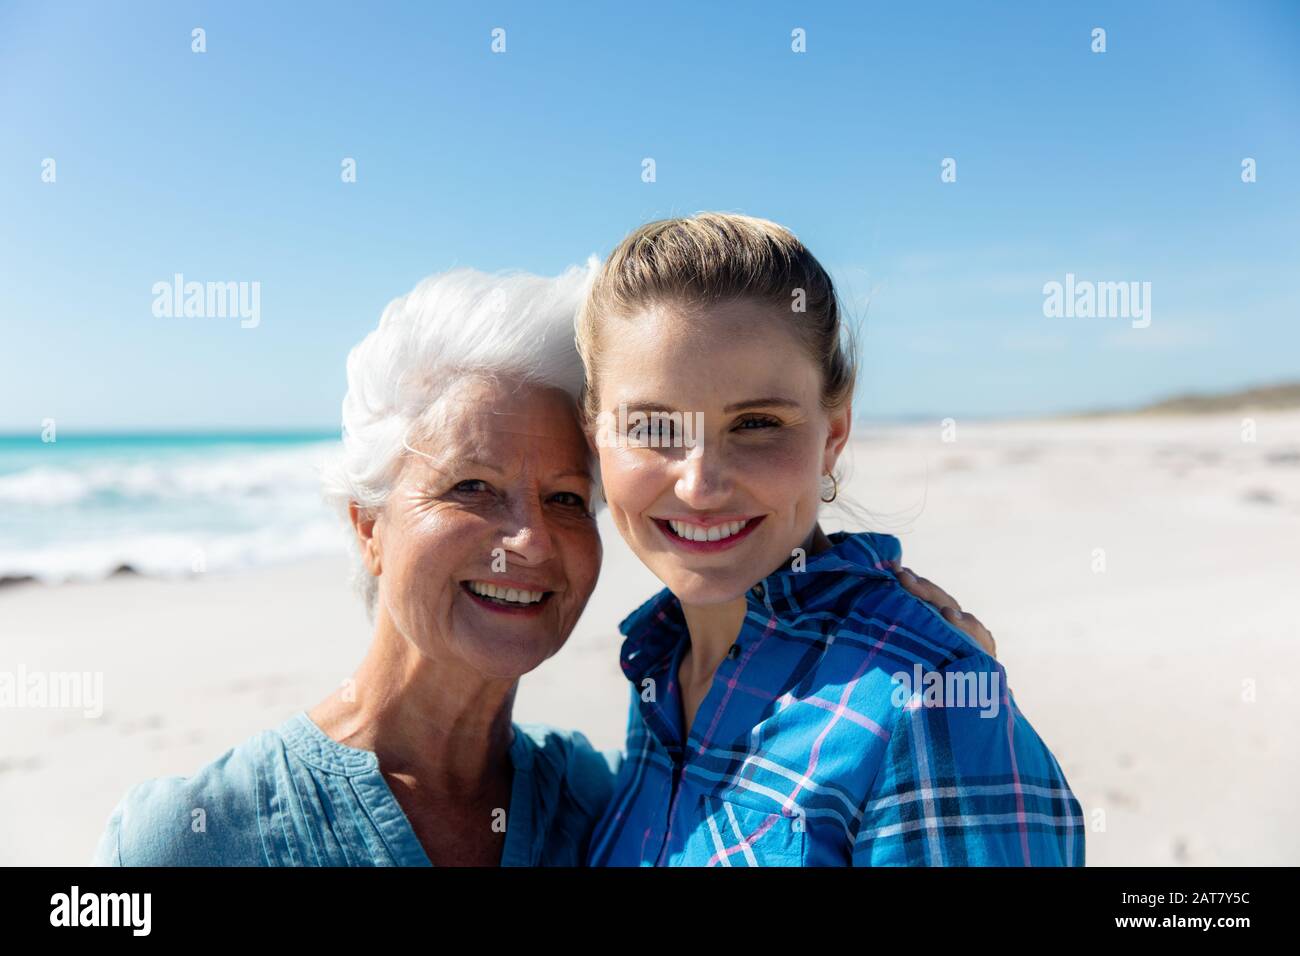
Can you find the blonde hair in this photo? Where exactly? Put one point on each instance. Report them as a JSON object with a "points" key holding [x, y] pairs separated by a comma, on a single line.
{"points": [[710, 258]]}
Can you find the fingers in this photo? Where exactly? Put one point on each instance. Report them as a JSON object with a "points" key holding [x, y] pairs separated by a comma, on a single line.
{"points": [[971, 625], [927, 590], [947, 605]]}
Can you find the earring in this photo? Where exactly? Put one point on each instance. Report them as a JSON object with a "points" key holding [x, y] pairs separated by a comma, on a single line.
{"points": [[835, 489]]}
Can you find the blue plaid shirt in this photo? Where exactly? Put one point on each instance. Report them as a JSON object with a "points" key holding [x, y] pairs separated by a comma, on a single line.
{"points": [[850, 724]]}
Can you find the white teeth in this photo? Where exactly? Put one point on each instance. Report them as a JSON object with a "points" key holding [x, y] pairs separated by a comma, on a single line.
{"points": [[511, 595], [693, 532]]}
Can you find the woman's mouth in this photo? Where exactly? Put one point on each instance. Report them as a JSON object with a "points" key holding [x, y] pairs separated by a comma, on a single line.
{"points": [[506, 598], [704, 538]]}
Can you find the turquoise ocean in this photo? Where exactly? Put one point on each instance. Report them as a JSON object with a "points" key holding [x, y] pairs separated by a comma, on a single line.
{"points": [[85, 506]]}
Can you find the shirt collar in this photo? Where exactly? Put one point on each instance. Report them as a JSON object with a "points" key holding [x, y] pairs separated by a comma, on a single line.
{"points": [[653, 631], [316, 748]]}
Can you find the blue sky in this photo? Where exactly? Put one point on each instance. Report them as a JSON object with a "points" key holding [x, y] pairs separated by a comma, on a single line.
{"points": [[225, 166]]}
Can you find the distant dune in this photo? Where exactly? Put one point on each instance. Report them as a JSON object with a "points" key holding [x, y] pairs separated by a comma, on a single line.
{"points": [[1281, 396]]}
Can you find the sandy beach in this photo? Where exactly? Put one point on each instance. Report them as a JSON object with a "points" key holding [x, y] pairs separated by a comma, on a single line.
{"points": [[1139, 573]]}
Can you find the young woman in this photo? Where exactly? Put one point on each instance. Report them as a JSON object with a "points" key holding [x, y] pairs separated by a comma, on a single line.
{"points": [[792, 703]]}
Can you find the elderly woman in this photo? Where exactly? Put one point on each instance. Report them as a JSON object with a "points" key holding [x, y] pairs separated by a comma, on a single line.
{"points": [[469, 488]]}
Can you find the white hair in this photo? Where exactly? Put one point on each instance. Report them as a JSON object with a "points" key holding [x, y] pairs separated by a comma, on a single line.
{"points": [[453, 324]]}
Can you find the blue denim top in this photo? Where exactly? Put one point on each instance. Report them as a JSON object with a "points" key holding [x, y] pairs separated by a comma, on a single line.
{"points": [[294, 796]]}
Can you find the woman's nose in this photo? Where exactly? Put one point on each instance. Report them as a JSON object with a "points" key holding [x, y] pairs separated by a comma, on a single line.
{"points": [[528, 536], [702, 482]]}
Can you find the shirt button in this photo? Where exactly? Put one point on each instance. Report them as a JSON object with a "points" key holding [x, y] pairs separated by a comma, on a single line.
{"points": [[757, 591], [733, 651]]}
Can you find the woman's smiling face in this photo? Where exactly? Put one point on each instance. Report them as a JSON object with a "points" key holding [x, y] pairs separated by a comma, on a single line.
{"points": [[713, 520], [487, 548]]}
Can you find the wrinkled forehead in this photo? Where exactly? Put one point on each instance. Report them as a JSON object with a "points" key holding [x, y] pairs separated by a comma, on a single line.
{"points": [[514, 428]]}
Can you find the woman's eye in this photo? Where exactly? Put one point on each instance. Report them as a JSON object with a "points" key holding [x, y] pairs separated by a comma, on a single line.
{"points": [[472, 486], [663, 433], [750, 424], [571, 499]]}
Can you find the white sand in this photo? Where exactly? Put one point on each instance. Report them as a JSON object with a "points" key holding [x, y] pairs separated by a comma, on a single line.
{"points": [[1134, 676]]}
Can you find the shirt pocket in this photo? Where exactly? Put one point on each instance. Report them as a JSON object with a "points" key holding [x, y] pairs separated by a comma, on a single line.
{"points": [[741, 835]]}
